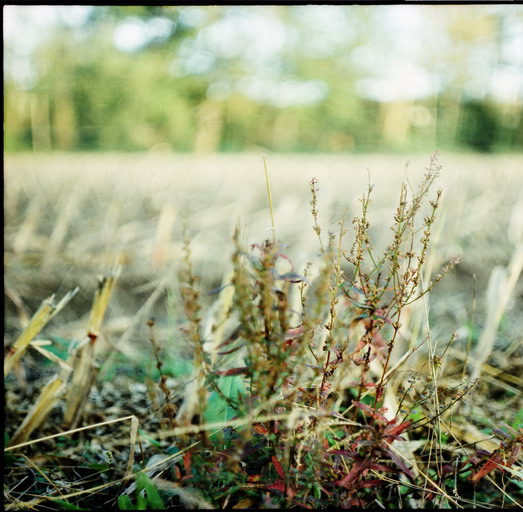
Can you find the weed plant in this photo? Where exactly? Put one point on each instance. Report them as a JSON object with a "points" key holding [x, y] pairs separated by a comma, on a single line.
{"points": [[312, 388]]}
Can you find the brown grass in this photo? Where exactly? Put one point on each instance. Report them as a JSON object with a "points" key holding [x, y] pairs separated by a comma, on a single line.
{"points": [[69, 216]]}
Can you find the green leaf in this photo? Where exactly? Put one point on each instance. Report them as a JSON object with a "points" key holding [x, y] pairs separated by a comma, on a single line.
{"points": [[172, 450], [151, 440], [368, 400], [518, 420], [99, 467], [217, 408], [59, 347], [416, 415], [178, 368], [125, 503], [152, 497], [141, 500]]}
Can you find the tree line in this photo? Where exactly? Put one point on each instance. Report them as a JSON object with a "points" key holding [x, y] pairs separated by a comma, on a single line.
{"points": [[204, 79]]}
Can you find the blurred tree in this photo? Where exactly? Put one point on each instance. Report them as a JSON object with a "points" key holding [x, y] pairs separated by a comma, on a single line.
{"points": [[478, 126], [289, 78], [477, 44]]}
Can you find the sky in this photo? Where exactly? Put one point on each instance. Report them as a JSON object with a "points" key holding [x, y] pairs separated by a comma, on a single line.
{"points": [[392, 75]]}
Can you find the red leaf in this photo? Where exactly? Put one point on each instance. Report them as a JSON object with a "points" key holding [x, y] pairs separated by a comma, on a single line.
{"points": [[233, 371], [278, 467], [394, 431], [384, 468], [399, 463], [345, 453], [187, 463], [360, 467], [260, 429], [489, 466], [226, 352], [279, 485], [370, 483]]}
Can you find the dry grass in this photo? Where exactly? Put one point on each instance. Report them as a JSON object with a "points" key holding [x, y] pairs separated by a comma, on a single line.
{"points": [[71, 217]]}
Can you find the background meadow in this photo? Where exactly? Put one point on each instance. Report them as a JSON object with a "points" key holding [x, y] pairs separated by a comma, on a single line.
{"points": [[68, 217]]}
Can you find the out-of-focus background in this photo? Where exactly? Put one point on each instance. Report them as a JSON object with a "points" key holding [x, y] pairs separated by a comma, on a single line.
{"points": [[122, 123], [310, 78]]}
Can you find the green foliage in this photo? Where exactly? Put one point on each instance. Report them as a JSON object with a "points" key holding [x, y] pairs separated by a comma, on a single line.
{"points": [[176, 367], [125, 503], [219, 406], [88, 95], [280, 362], [146, 496], [518, 420], [479, 126]]}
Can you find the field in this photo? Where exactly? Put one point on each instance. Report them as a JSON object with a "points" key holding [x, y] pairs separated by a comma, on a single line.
{"points": [[69, 218]]}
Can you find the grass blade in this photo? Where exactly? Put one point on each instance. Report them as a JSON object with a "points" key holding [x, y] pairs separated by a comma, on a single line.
{"points": [[84, 365], [47, 310], [48, 397]]}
